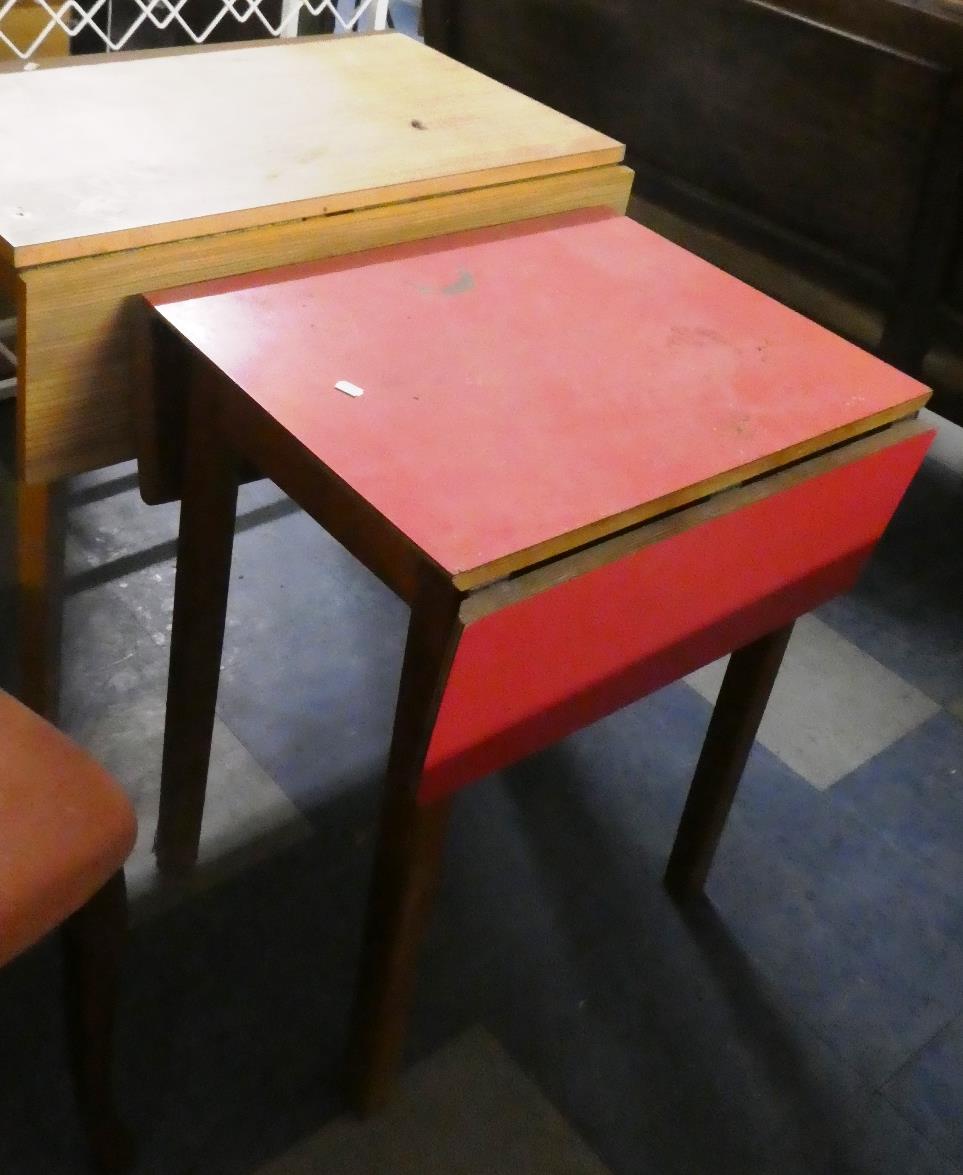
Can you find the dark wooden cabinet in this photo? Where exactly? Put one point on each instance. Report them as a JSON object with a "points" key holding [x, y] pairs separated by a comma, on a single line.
{"points": [[811, 148]]}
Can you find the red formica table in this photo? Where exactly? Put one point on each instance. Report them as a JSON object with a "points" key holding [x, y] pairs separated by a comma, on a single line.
{"points": [[588, 460]]}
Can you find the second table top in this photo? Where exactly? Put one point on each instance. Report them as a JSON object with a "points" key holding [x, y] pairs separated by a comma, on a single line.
{"points": [[115, 153], [531, 387]]}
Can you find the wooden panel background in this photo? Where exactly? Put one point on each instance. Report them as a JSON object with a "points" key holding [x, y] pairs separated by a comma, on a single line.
{"points": [[809, 129], [800, 154]]}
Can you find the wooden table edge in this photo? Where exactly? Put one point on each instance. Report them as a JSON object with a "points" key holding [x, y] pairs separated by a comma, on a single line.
{"points": [[504, 592], [268, 215], [471, 579]]}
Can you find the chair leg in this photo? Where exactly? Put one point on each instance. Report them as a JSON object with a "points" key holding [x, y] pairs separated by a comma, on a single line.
{"points": [[406, 876], [93, 940], [742, 701]]}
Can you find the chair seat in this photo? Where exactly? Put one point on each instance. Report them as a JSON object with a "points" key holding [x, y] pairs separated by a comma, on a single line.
{"points": [[66, 827]]}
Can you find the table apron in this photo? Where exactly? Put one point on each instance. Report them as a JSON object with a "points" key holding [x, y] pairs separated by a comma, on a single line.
{"points": [[531, 672]]}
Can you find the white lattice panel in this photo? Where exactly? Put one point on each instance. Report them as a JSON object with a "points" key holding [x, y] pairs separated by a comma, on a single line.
{"points": [[99, 17], [8, 360]]}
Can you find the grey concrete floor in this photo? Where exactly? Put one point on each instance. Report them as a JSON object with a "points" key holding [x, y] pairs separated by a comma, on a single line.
{"points": [[807, 1017]]}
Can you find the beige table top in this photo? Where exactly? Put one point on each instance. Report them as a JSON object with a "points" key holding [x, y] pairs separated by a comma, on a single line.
{"points": [[123, 153]]}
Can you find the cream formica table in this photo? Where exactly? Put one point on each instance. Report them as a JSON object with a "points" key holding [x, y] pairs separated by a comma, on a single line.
{"points": [[147, 170]]}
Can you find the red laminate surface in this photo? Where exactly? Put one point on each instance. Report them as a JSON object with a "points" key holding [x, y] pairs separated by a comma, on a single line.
{"points": [[537, 670], [523, 382]]}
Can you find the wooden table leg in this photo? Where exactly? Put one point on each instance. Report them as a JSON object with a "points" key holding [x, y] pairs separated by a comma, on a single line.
{"points": [[408, 859], [93, 941], [204, 548], [739, 708], [40, 576], [406, 877]]}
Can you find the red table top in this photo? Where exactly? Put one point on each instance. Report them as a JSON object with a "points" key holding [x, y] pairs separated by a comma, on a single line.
{"points": [[558, 377]]}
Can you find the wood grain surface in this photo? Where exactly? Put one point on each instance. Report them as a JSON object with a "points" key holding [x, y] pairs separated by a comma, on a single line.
{"points": [[120, 154]]}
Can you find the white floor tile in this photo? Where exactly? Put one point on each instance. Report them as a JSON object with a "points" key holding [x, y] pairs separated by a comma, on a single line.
{"points": [[245, 814], [833, 706], [467, 1110]]}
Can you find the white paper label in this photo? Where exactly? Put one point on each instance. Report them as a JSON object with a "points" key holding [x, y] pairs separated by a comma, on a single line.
{"points": [[349, 389]]}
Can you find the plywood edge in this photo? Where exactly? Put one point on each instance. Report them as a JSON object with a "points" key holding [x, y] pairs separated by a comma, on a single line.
{"points": [[496, 596], [473, 578], [237, 251], [47, 252]]}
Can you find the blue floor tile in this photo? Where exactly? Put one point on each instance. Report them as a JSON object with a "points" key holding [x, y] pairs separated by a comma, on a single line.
{"points": [[311, 662], [860, 1136], [912, 794], [804, 1019], [861, 936], [928, 1091], [907, 609]]}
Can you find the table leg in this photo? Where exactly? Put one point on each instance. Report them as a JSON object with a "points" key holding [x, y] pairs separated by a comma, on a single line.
{"points": [[406, 876], [408, 859], [742, 700], [40, 574], [204, 548]]}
